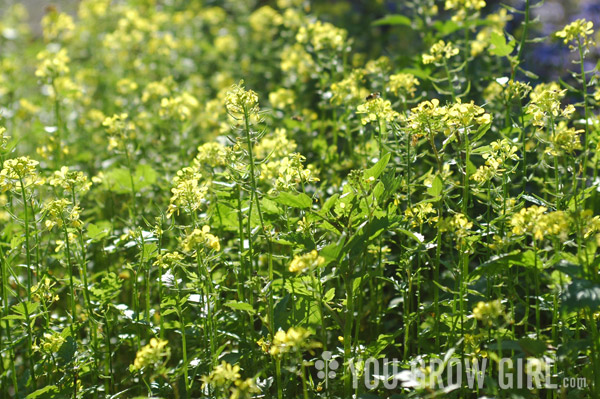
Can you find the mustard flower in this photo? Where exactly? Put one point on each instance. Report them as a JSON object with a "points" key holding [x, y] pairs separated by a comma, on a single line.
{"points": [[276, 145], [463, 7], [188, 192], [308, 261], [295, 339], [323, 36], [535, 221], [240, 102], [580, 32], [212, 154], [440, 51], [19, 173], [282, 98], [152, 356], [52, 64], [376, 110], [57, 26], [489, 312], [201, 237], [3, 138], [564, 140], [403, 84], [349, 89], [59, 212], [70, 180]]}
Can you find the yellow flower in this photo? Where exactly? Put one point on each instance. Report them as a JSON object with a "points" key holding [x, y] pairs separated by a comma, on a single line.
{"points": [[579, 31], [282, 98], [377, 109], [350, 89], [70, 180], [535, 221], [188, 192], [19, 172], [308, 261], [3, 138], [488, 312], [240, 102], [322, 36], [52, 65], [440, 51], [201, 237], [403, 84], [154, 355], [295, 339], [57, 26]]}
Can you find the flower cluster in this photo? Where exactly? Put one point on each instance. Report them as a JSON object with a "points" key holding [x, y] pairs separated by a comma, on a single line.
{"points": [[545, 104], [241, 102], [309, 261], [227, 377], [463, 7], [288, 172], [421, 213], [439, 52], [403, 85], [52, 64], [489, 312], [119, 129], [376, 110], [188, 192], [294, 340], [152, 356], [19, 173], [535, 221], [322, 36], [212, 154], [201, 237], [580, 32], [59, 212], [564, 140], [70, 181], [349, 89], [499, 153]]}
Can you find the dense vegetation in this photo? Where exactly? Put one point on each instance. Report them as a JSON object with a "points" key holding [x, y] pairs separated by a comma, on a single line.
{"points": [[211, 200]]}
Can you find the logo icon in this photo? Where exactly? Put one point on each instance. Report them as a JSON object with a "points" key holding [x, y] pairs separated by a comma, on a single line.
{"points": [[326, 367]]}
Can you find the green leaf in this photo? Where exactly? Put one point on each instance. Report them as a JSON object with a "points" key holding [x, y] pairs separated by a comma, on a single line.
{"points": [[236, 305], [581, 294], [395, 19], [378, 168], [150, 250], [48, 391], [301, 200], [532, 347], [144, 176], [436, 187], [329, 295], [97, 232], [499, 45]]}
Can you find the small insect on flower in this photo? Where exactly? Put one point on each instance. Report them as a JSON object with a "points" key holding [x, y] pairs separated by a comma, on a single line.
{"points": [[373, 96]]}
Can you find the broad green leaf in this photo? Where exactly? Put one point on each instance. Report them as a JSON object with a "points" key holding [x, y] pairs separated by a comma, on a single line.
{"points": [[581, 294], [378, 168], [301, 200], [98, 231], [48, 391], [236, 305], [144, 176], [533, 347], [395, 19], [499, 45], [436, 187]]}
